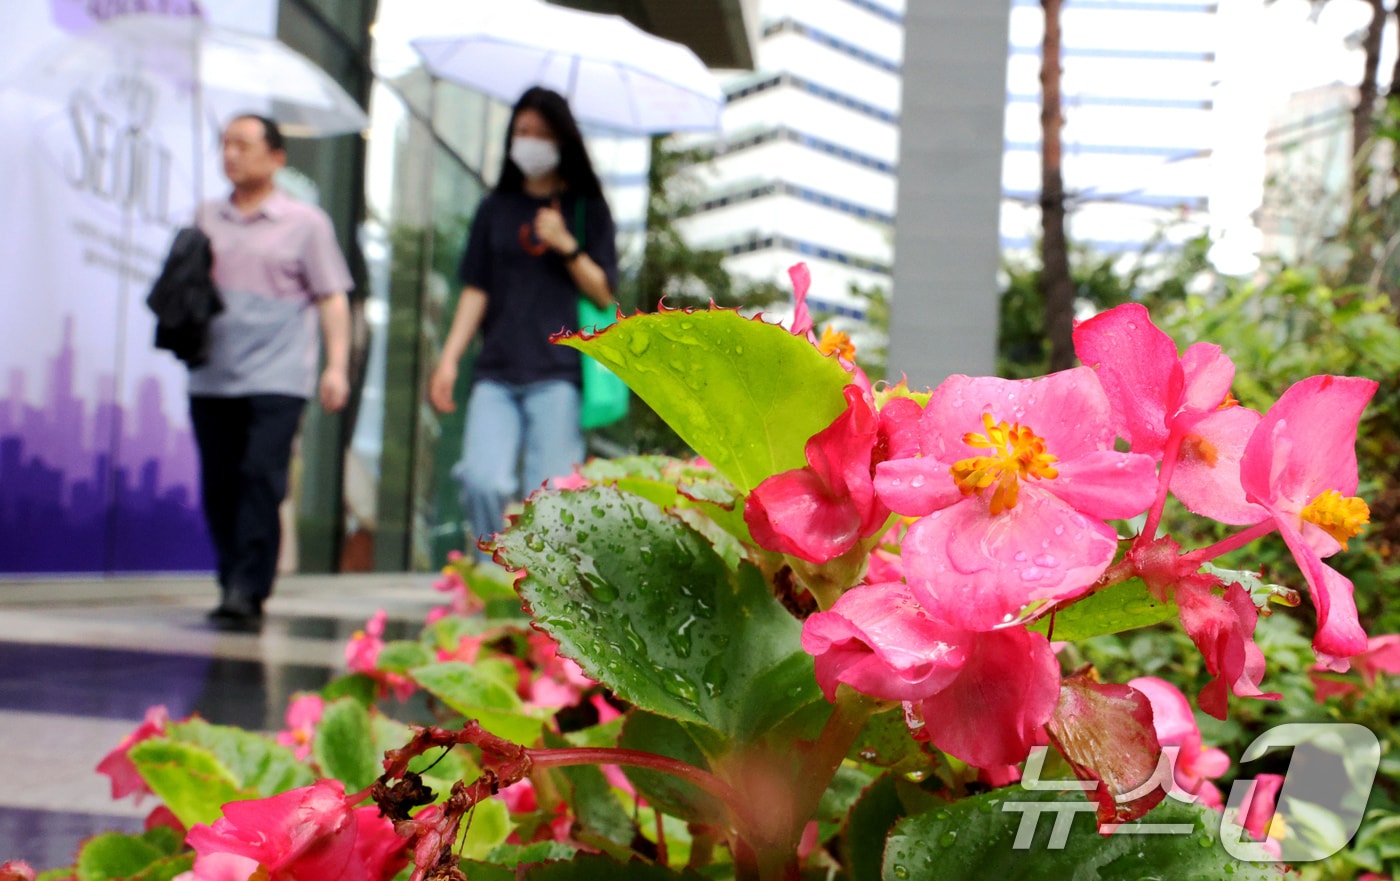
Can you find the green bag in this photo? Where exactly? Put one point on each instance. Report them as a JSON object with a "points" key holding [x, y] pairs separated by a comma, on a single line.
{"points": [[605, 397]]}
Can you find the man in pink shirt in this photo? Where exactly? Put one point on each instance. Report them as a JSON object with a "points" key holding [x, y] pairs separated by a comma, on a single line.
{"points": [[281, 274]]}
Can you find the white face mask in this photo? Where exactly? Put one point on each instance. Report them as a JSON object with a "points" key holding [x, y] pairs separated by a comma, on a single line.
{"points": [[534, 156]]}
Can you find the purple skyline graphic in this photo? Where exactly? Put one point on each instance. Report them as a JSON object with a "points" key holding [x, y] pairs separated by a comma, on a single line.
{"points": [[96, 487]]}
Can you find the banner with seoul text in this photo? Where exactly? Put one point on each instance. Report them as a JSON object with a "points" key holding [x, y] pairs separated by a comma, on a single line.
{"points": [[98, 471]]}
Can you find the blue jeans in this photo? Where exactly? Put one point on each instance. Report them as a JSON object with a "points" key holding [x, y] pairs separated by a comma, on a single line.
{"points": [[534, 426]]}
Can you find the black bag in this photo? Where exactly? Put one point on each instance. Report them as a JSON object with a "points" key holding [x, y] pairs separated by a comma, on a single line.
{"points": [[184, 298]]}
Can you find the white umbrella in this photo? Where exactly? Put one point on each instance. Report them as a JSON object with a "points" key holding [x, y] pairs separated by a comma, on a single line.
{"points": [[614, 74], [225, 71]]}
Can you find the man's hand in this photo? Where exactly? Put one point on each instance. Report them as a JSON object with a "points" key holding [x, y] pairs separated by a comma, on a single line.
{"points": [[441, 385], [335, 389]]}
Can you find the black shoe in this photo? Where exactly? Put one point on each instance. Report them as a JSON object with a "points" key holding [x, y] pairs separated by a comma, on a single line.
{"points": [[237, 611]]}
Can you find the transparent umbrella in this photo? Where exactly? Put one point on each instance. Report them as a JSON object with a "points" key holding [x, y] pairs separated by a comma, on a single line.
{"points": [[614, 74], [225, 71]]}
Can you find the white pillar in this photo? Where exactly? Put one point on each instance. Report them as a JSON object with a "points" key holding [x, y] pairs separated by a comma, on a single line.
{"points": [[944, 305]]}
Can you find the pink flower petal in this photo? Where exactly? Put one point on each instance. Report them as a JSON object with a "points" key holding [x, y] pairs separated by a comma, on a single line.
{"points": [[1135, 362], [915, 487], [1339, 634], [1207, 475], [801, 282], [879, 641], [992, 714], [976, 571], [1208, 373], [1306, 443], [1107, 484], [1068, 409], [795, 513]]}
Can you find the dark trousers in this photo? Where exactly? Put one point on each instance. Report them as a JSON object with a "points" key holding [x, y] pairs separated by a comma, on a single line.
{"points": [[245, 450]]}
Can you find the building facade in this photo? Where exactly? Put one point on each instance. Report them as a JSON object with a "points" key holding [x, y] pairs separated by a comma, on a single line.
{"points": [[806, 166]]}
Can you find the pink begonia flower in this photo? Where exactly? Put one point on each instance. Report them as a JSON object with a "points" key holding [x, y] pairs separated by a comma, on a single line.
{"points": [[162, 816], [303, 715], [1382, 655], [126, 780], [16, 870], [432, 832], [1014, 483], [606, 711], [1300, 465], [521, 798], [877, 640], [983, 697], [823, 510], [1260, 802], [1165, 404], [362, 656], [1223, 630], [468, 649], [1222, 627], [550, 679], [1193, 767], [306, 834], [832, 342], [573, 480], [996, 709], [463, 601]]}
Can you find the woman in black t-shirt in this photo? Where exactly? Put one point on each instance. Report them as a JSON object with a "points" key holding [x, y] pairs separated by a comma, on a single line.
{"points": [[540, 240]]}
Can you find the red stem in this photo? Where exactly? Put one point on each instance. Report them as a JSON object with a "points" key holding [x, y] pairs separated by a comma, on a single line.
{"points": [[1232, 543], [599, 755], [1164, 479]]}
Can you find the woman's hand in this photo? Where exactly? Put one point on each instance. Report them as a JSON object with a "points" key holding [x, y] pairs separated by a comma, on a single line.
{"points": [[552, 231], [441, 386]]}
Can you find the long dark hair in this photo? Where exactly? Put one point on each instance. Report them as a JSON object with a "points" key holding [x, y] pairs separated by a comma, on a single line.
{"points": [[574, 164]]}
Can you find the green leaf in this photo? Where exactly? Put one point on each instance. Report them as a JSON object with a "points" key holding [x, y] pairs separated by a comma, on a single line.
{"points": [[743, 394], [977, 838], [591, 798], [256, 762], [344, 745], [885, 741], [592, 867], [400, 656], [473, 692], [189, 779], [360, 686], [489, 827], [867, 826], [1127, 605], [666, 737], [165, 869], [513, 855], [114, 855], [646, 606]]}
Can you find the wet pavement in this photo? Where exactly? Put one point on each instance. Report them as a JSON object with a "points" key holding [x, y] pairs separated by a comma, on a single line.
{"points": [[82, 660]]}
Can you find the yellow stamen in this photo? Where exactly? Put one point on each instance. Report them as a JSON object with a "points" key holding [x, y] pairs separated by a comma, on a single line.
{"points": [[1230, 401], [1196, 448], [1017, 452], [1339, 516], [1277, 828], [836, 341]]}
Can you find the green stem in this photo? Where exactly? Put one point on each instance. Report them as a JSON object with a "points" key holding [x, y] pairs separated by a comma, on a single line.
{"points": [[820, 763]]}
